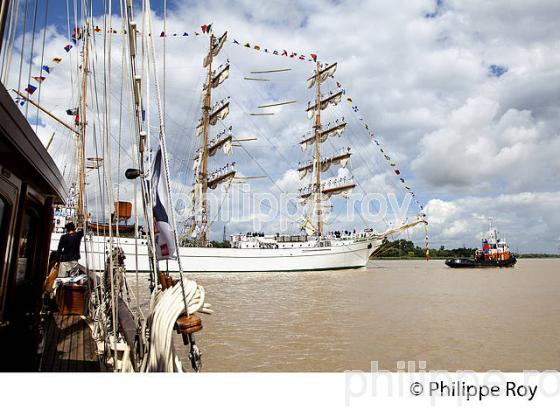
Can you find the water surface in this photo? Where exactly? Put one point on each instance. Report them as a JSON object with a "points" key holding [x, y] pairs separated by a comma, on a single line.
{"points": [[471, 319]]}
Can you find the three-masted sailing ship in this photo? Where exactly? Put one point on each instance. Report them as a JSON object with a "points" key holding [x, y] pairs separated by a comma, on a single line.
{"points": [[312, 248]]}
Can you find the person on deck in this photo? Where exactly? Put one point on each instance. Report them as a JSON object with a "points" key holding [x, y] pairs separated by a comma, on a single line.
{"points": [[69, 250]]}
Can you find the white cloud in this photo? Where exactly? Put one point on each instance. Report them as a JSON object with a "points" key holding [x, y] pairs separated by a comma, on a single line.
{"points": [[461, 137]]}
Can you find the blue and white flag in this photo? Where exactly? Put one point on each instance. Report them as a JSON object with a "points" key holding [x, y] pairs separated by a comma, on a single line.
{"points": [[164, 233]]}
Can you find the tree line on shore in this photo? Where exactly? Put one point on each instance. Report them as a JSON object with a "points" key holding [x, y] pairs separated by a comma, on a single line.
{"points": [[402, 248]]}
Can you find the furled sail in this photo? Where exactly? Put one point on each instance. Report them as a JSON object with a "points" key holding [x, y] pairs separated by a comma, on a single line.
{"points": [[199, 128], [336, 186], [340, 158], [225, 142], [216, 47], [219, 114], [219, 78], [223, 176], [330, 100], [219, 44], [324, 73], [335, 131]]}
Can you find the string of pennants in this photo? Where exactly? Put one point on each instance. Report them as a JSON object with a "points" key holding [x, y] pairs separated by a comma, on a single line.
{"points": [[390, 162], [207, 29], [48, 68], [77, 34], [392, 165]]}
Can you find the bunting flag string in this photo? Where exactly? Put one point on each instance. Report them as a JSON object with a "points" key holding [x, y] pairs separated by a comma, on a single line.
{"points": [[207, 29], [77, 35], [47, 69], [390, 162], [393, 166]]}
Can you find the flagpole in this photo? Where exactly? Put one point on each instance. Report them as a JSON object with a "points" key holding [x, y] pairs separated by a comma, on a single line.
{"points": [[54, 117]]}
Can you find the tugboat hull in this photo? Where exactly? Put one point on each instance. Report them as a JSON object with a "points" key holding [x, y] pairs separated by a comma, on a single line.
{"points": [[473, 263]]}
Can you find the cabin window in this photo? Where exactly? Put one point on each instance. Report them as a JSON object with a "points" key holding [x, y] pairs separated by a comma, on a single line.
{"points": [[27, 242], [3, 212], [4, 222]]}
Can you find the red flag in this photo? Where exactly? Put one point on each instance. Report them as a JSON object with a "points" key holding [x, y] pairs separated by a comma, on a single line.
{"points": [[162, 34], [397, 172], [314, 57]]}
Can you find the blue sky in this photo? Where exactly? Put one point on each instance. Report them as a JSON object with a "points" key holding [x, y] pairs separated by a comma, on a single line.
{"points": [[464, 95]]}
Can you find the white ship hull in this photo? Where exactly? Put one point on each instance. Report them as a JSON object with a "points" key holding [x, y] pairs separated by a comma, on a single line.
{"points": [[339, 255]]}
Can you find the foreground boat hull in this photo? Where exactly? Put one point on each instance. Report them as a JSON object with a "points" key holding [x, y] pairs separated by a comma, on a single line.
{"points": [[339, 256], [472, 263]]}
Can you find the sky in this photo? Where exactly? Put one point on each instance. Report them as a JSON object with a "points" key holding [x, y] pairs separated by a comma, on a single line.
{"points": [[465, 96]]}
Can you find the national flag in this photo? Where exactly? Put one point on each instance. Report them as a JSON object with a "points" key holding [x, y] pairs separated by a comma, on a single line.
{"points": [[56, 60], [68, 47], [77, 34], [39, 79], [313, 56], [46, 68], [164, 233], [397, 172], [30, 88]]}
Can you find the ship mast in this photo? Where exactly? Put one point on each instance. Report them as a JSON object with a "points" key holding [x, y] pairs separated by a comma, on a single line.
{"points": [[316, 191], [203, 174], [205, 180], [317, 160], [82, 134]]}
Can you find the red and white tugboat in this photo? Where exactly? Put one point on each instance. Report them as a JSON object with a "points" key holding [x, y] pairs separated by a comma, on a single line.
{"points": [[494, 253]]}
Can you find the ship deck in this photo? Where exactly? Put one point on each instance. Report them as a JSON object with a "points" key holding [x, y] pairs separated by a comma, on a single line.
{"points": [[68, 345]]}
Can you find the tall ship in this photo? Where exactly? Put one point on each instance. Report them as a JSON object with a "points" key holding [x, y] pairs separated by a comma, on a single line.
{"points": [[494, 252], [313, 248]]}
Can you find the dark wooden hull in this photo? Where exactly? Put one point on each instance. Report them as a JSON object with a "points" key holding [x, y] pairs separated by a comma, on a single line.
{"points": [[473, 263]]}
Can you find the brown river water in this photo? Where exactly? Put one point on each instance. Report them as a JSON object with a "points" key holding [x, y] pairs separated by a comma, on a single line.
{"points": [[452, 319]]}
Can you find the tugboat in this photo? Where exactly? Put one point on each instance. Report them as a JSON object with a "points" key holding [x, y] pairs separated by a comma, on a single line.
{"points": [[494, 253]]}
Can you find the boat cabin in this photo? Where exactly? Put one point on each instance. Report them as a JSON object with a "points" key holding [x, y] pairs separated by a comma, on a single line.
{"points": [[30, 186]]}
